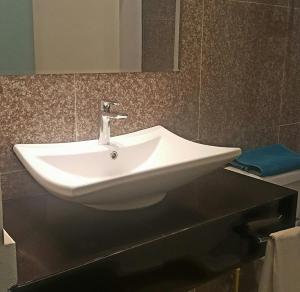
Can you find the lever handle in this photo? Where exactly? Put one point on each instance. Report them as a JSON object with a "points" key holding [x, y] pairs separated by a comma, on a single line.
{"points": [[106, 105]]}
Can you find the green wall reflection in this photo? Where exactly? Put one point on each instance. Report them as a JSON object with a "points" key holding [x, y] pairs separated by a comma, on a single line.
{"points": [[16, 37]]}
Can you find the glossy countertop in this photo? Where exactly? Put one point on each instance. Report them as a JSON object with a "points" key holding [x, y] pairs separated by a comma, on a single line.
{"points": [[54, 236]]}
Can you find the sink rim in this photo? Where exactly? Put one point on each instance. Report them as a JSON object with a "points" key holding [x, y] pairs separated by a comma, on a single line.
{"points": [[77, 191]]}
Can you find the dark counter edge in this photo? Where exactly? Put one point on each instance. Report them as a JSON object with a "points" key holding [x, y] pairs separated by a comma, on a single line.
{"points": [[93, 268]]}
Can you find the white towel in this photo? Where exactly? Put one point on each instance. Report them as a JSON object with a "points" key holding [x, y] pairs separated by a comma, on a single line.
{"points": [[281, 270]]}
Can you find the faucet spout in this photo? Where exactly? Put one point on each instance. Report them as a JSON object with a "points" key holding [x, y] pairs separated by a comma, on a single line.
{"points": [[105, 121]]}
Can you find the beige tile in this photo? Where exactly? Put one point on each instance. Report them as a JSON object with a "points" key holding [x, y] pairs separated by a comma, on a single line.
{"points": [[158, 45], [289, 135], [186, 111], [8, 160], [294, 3], [268, 2], [243, 57], [157, 60], [158, 34], [169, 99], [291, 96], [40, 109], [20, 184], [35, 109], [190, 36], [148, 100], [157, 9]]}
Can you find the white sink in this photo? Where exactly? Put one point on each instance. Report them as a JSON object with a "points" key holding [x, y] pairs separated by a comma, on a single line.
{"points": [[148, 164]]}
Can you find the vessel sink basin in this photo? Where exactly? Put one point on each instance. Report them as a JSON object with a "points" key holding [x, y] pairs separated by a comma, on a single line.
{"points": [[135, 171]]}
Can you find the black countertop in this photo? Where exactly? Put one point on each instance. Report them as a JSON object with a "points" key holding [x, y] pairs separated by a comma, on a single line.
{"points": [[200, 226]]}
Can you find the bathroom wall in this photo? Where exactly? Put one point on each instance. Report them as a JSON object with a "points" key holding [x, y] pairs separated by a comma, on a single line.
{"points": [[57, 108], [289, 130], [131, 40], [238, 85], [248, 49], [158, 34]]}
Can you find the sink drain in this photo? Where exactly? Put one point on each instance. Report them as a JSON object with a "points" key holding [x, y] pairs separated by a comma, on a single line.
{"points": [[114, 155]]}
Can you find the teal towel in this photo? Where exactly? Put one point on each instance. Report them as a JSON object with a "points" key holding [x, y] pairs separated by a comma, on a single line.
{"points": [[269, 160]]}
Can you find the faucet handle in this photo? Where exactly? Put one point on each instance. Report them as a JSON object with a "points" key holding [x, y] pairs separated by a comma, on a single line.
{"points": [[106, 105]]}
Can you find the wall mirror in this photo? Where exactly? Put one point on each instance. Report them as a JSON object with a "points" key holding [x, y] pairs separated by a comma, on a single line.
{"points": [[88, 36]]}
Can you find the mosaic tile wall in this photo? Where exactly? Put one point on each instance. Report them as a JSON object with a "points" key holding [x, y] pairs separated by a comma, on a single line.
{"points": [[58, 108], [238, 85], [158, 35]]}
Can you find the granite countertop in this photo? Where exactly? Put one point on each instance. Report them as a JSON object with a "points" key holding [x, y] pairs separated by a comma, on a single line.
{"points": [[56, 237]]}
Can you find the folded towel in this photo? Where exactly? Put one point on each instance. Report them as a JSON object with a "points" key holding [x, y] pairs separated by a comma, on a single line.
{"points": [[281, 269], [269, 160]]}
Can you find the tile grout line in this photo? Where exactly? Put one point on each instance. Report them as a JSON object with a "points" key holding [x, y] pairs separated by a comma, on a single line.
{"points": [[12, 171], [1, 200], [200, 73], [284, 75], [258, 3], [279, 130], [290, 124], [293, 5], [75, 109]]}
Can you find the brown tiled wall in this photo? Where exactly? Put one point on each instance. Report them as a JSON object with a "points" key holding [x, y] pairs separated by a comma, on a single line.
{"points": [[289, 132], [242, 66], [57, 108], [238, 85], [158, 35]]}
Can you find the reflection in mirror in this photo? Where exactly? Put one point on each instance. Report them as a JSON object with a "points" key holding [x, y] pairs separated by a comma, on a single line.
{"points": [[88, 36]]}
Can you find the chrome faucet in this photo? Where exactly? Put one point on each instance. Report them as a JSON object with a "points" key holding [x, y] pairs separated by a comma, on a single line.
{"points": [[105, 119]]}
